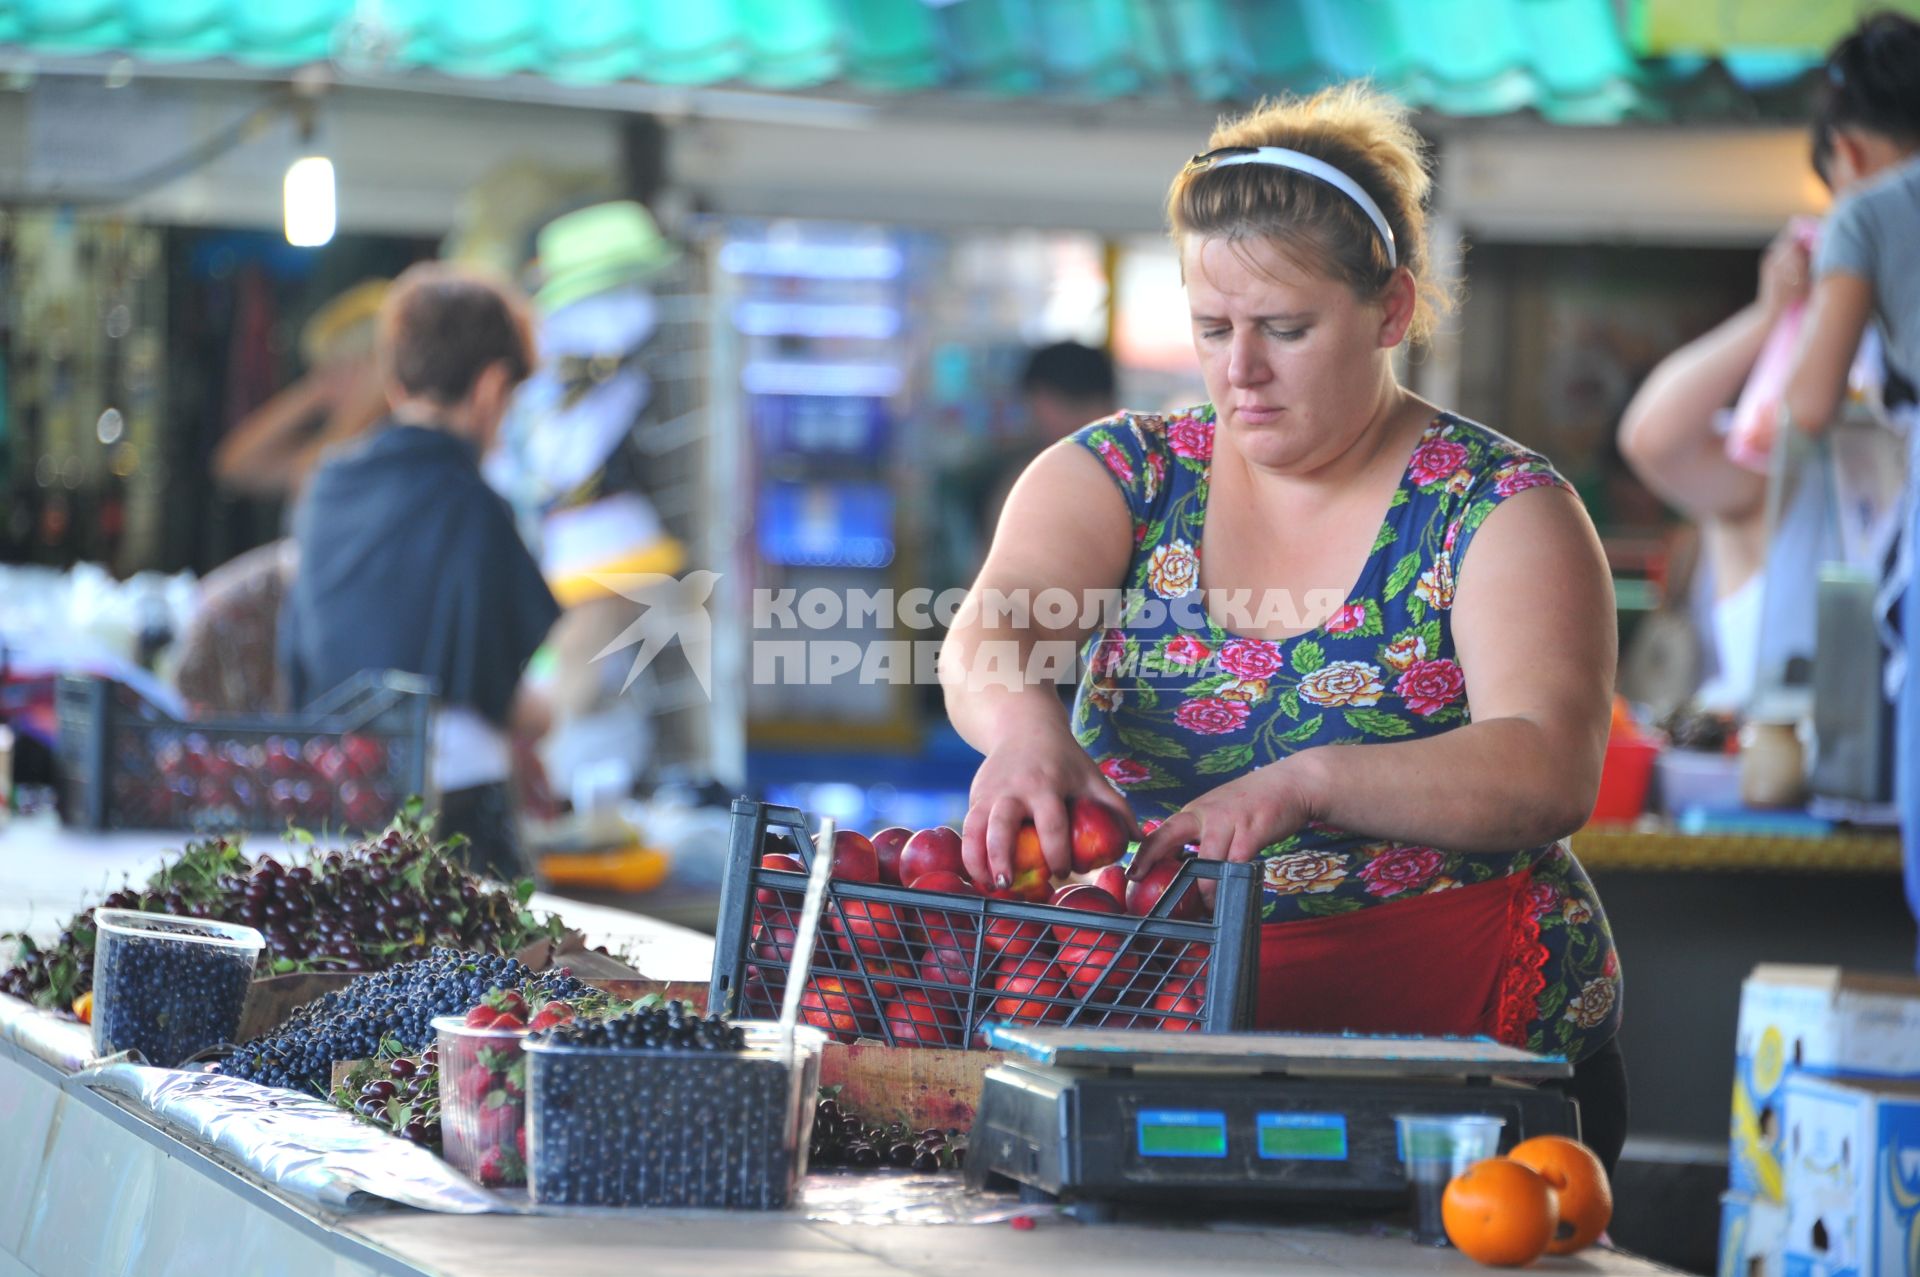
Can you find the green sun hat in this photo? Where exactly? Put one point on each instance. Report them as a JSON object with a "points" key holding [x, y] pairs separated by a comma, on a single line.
{"points": [[593, 249]]}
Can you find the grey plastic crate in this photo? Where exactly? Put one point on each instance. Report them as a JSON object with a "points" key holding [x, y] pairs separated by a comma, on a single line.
{"points": [[879, 942]]}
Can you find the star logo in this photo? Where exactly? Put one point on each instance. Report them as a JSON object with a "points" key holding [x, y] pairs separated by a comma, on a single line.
{"points": [[671, 608]]}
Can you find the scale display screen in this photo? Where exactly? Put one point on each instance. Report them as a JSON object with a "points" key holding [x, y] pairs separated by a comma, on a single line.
{"points": [[1181, 1133], [1303, 1137]]}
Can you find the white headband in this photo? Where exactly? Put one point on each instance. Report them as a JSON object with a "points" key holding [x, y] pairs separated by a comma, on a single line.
{"points": [[1281, 157]]}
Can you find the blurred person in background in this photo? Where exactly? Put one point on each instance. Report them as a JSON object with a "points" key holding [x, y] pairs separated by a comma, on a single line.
{"points": [[1867, 271], [227, 657], [273, 449], [1673, 438], [1711, 463], [1064, 386], [410, 562]]}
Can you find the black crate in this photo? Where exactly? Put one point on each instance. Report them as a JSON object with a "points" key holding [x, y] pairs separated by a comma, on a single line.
{"points": [[935, 957], [348, 761]]}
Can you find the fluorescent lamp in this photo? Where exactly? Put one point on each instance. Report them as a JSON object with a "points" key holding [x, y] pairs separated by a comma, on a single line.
{"points": [[308, 198]]}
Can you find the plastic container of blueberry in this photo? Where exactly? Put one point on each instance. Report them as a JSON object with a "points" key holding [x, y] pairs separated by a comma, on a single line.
{"points": [[719, 1130], [168, 987]]}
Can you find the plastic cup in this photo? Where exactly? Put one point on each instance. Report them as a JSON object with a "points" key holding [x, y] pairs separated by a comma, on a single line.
{"points": [[168, 987], [483, 1106], [1435, 1147]]}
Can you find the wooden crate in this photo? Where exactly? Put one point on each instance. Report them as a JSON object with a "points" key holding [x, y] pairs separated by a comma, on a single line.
{"points": [[920, 1086]]}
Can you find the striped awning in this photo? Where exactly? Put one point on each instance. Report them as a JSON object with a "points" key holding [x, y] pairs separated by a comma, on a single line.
{"points": [[1569, 60]]}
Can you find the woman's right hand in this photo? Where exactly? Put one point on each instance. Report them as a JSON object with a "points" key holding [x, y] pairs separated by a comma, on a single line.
{"points": [[1785, 271], [1031, 775]]}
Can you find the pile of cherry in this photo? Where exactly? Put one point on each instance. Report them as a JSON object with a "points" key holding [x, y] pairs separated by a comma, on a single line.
{"points": [[931, 975]]}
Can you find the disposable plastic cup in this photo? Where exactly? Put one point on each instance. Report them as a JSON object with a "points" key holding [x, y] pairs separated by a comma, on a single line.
{"points": [[1435, 1147], [168, 987], [483, 1106]]}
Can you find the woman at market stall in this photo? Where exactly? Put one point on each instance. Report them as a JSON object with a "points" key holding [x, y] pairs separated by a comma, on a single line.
{"points": [[1368, 642]]}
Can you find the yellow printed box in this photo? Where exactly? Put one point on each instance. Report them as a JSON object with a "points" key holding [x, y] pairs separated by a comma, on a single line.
{"points": [[1852, 1164], [1819, 1020]]}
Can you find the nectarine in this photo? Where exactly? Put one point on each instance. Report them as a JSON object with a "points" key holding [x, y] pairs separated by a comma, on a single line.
{"points": [[1099, 839], [1012, 937], [914, 1020], [886, 849], [830, 1003], [1145, 892], [1030, 976], [935, 850], [854, 859]]}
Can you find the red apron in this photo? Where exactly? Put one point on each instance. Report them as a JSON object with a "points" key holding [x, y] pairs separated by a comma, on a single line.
{"points": [[1464, 961]]}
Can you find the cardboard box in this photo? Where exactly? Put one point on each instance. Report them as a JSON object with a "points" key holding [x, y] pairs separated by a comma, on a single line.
{"points": [[1818, 1020], [1753, 1237], [1852, 1162], [921, 1086]]}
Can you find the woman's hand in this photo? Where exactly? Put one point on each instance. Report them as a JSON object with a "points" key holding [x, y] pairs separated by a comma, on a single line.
{"points": [[1785, 272], [1235, 820], [1030, 776]]}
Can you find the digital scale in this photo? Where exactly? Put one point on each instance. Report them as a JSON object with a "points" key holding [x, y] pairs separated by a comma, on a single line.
{"points": [[1105, 1115]]}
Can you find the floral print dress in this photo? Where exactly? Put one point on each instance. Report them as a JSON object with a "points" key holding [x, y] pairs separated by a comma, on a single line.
{"points": [[1171, 704]]}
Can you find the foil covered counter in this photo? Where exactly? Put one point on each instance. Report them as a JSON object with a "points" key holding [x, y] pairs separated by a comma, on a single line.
{"points": [[300, 1144], [66, 1045]]}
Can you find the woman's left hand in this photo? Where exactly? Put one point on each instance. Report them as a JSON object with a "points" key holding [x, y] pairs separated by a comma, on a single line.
{"points": [[1235, 820]]}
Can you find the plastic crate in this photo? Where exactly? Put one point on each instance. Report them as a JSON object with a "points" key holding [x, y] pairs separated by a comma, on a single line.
{"points": [[348, 761], [609, 1126], [923, 968]]}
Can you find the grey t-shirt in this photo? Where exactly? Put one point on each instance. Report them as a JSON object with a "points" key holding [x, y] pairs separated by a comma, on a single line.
{"points": [[1874, 232]]}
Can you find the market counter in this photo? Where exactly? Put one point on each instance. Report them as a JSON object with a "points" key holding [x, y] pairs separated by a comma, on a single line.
{"points": [[89, 1185], [1656, 848]]}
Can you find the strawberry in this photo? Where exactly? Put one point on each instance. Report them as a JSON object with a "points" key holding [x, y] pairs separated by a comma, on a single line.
{"points": [[500, 1166], [481, 1017], [555, 1012], [509, 1001], [475, 1082], [498, 1119], [507, 1020], [515, 1082], [520, 1142]]}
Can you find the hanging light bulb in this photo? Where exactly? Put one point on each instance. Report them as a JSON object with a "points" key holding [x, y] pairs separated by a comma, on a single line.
{"points": [[307, 196]]}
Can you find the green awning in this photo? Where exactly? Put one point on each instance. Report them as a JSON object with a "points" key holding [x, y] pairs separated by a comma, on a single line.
{"points": [[1798, 30], [1567, 59]]}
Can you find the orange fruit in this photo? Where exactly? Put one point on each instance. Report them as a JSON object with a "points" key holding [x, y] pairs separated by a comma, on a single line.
{"points": [[1586, 1199], [1500, 1213]]}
